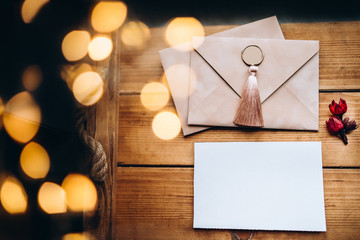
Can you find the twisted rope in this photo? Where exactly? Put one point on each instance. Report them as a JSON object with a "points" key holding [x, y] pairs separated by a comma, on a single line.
{"points": [[97, 155]]}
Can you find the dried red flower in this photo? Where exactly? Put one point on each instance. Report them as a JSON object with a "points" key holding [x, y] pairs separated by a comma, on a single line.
{"points": [[338, 109], [350, 125], [334, 125]]}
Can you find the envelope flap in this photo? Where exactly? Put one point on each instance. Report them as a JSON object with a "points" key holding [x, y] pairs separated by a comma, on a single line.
{"points": [[283, 58]]}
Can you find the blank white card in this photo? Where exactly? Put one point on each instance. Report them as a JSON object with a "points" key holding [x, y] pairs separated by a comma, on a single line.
{"points": [[259, 185]]}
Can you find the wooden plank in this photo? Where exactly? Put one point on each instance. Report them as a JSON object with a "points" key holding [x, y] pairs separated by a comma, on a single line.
{"points": [[157, 203], [102, 124], [339, 51], [139, 145]]}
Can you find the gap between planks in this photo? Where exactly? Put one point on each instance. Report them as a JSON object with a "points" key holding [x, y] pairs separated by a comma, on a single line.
{"points": [[192, 166], [123, 93]]}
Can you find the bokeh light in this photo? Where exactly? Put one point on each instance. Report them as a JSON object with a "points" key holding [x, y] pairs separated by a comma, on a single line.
{"points": [[78, 236], [52, 198], [100, 48], [81, 193], [75, 45], [107, 16], [22, 117], [182, 29], [34, 160], [70, 72], [184, 71], [166, 125], [88, 88], [2, 106], [30, 9], [32, 77], [135, 34], [154, 96], [13, 196]]}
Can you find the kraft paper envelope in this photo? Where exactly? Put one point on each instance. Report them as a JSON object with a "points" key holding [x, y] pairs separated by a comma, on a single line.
{"points": [[176, 64], [263, 186], [288, 81]]}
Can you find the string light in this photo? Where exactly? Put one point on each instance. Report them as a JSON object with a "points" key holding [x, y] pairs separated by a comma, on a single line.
{"points": [[75, 45], [88, 88], [70, 72], [135, 34], [166, 125], [181, 30], [22, 117], [30, 9], [51, 198], [32, 77], [34, 160], [100, 48], [77, 236], [81, 193], [13, 196], [107, 16], [154, 96]]}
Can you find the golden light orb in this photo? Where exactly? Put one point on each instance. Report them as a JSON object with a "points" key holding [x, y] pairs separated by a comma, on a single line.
{"points": [[34, 160], [182, 29], [75, 45], [166, 125], [22, 117], [107, 16], [52, 198], [135, 34], [100, 48], [88, 88], [13, 196], [80, 192]]}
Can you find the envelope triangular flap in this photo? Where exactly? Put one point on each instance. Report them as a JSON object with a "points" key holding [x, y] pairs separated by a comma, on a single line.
{"points": [[283, 58]]}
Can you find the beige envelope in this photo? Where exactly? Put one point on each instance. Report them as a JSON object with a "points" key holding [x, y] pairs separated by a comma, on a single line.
{"points": [[288, 80], [176, 64]]}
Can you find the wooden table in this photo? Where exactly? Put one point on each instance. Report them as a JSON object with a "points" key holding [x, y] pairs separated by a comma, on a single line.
{"points": [[155, 177]]}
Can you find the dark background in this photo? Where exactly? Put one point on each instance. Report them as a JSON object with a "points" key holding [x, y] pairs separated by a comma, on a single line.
{"points": [[40, 43], [211, 12]]}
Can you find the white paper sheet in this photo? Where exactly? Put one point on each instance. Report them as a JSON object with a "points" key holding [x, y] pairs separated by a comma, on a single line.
{"points": [[259, 185]]}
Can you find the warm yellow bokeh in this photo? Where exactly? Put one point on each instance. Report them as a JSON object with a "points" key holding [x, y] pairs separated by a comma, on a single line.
{"points": [[13, 196], [32, 77], [154, 96], [88, 88], [75, 45], [107, 16], [30, 8], [52, 198], [182, 72], [100, 48], [166, 125], [77, 236], [22, 117], [135, 34], [181, 30], [70, 72], [34, 160], [80, 192], [2, 106]]}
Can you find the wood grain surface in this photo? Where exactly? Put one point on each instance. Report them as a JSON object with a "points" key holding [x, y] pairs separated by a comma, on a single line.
{"points": [[155, 177], [139, 145], [102, 124], [157, 203], [339, 55]]}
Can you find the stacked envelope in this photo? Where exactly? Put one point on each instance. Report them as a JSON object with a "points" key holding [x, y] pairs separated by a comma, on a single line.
{"points": [[206, 77]]}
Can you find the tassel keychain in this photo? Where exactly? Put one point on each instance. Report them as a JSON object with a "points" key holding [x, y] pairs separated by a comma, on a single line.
{"points": [[249, 113]]}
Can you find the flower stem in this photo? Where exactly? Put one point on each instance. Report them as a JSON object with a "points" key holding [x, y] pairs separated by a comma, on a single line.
{"points": [[343, 136]]}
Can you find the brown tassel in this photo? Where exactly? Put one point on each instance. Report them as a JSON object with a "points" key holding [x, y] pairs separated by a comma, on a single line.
{"points": [[249, 113]]}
